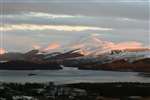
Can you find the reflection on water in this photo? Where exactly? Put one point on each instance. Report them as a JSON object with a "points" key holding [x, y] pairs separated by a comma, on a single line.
{"points": [[70, 76], [144, 74]]}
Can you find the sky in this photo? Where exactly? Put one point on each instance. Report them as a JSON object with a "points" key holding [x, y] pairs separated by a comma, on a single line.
{"points": [[67, 24]]}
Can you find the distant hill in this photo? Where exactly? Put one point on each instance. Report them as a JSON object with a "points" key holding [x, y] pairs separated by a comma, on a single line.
{"points": [[26, 65], [141, 65], [34, 59], [119, 60]]}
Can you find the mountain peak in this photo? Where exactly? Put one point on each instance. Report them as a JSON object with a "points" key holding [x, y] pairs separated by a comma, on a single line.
{"points": [[32, 52]]}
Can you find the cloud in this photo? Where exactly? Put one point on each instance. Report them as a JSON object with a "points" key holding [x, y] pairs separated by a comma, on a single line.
{"points": [[52, 46], [74, 1], [117, 46], [111, 8], [49, 15], [2, 51], [18, 42], [34, 27], [125, 45], [78, 46], [35, 46], [127, 19], [40, 15], [124, 18]]}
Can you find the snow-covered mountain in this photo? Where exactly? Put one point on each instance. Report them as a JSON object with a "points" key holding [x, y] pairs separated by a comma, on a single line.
{"points": [[89, 52], [92, 45]]}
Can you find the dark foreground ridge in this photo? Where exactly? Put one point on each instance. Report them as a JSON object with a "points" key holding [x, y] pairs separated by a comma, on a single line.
{"points": [[76, 91], [26, 65]]}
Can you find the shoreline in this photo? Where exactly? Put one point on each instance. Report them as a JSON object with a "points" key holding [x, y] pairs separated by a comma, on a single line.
{"points": [[47, 68]]}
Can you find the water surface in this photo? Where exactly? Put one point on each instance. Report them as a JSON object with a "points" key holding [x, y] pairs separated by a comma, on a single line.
{"points": [[69, 75]]}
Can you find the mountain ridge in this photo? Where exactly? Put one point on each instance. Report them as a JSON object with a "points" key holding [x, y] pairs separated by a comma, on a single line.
{"points": [[115, 60]]}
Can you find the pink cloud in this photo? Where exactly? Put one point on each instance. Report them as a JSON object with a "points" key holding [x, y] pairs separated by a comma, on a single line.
{"points": [[52, 46], [2, 51], [125, 45]]}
